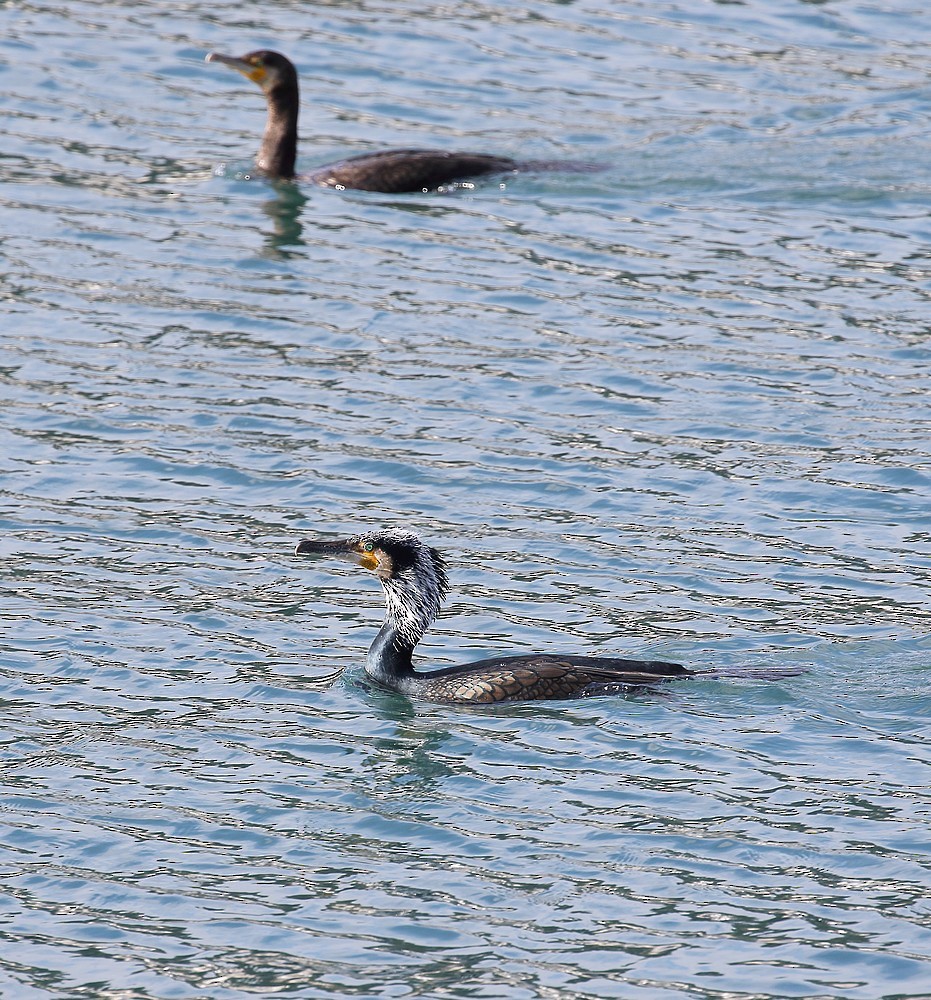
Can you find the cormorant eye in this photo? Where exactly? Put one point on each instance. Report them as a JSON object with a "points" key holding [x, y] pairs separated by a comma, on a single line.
{"points": [[369, 546]]}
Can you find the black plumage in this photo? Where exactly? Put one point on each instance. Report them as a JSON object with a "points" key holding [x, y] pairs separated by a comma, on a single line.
{"points": [[414, 579], [390, 171]]}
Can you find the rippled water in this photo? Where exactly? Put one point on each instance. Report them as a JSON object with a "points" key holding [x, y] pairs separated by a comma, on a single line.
{"points": [[676, 408]]}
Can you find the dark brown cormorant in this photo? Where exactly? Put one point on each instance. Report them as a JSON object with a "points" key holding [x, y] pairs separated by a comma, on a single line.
{"points": [[390, 171], [413, 576]]}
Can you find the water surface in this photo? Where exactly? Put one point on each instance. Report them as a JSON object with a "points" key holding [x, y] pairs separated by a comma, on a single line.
{"points": [[676, 408]]}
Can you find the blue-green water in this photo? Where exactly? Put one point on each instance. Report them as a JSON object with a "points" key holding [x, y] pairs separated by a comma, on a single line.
{"points": [[675, 408]]}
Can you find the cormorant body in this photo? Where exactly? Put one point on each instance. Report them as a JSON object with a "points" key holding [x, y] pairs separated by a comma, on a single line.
{"points": [[413, 576], [389, 171]]}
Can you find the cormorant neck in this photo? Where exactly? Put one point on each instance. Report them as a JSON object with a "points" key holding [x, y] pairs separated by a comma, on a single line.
{"points": [[389, 658], [413, 593], [278, 151]]}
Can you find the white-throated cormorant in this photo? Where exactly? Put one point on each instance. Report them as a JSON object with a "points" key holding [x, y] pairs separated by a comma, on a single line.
{"points": [[413, 576]]}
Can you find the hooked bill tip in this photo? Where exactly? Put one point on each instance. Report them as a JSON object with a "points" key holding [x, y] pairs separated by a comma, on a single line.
{"points": [[320, 546], [234, 61], [342, 548]]}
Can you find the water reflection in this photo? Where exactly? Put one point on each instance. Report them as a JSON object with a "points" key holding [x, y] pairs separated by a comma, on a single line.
{"points": [[285, 211]]}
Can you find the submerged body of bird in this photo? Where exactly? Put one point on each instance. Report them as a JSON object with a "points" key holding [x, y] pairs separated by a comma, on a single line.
{"points": [[413, 576], [390, 171]]}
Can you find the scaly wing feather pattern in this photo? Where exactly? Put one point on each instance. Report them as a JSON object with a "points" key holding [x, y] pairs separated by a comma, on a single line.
{"points": [[532, 678]]}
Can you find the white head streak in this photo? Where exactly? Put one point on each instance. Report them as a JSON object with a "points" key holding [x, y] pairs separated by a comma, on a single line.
{"points": [[414, 579]]}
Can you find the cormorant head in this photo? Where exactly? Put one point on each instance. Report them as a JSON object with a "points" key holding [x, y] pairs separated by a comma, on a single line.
{"points": [[412, 573], [391, 554], [270, 70]]}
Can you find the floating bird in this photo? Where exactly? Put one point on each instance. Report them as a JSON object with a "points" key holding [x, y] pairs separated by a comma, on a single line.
{"points": [[390, 171], [413, 576]]}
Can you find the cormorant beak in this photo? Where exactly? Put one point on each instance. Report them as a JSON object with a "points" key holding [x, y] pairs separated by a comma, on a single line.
{"points": [[345, 548], [256, 74]]}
